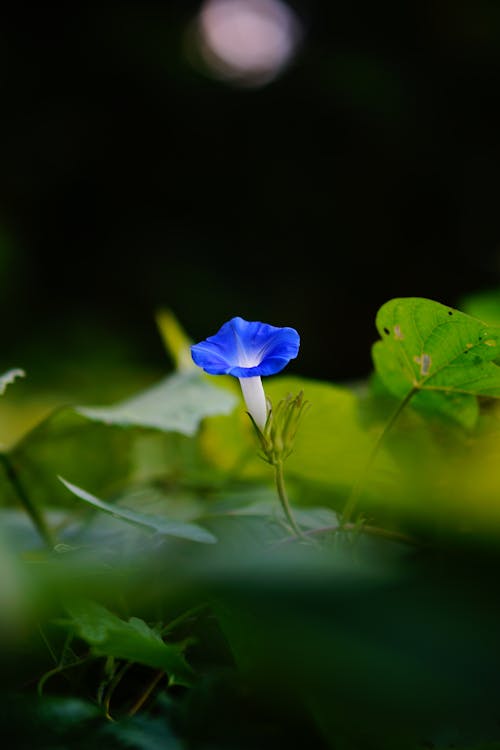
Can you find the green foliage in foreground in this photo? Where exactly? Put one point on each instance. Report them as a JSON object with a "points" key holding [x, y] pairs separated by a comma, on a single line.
{"points": [[153, 594]]}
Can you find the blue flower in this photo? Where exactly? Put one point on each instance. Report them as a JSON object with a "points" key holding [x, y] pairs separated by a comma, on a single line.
{"points": [[245, 349], [248, 350]]}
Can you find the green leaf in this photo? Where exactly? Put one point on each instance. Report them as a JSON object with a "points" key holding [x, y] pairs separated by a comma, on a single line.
{"points": [[332, 444], [176, 404], [309, 518], [108, 635], [484, 305], [445, 355], [68, 444], [9, 377], [330, 449], [143, 732], [179, 529]]}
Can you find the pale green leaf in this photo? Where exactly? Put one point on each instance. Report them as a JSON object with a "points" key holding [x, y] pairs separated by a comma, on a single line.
{"points": [[9, 377], [176, 404], [158, 524]]}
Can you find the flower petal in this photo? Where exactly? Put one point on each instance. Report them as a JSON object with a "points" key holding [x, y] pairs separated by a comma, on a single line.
{"points": [[246, 349]]}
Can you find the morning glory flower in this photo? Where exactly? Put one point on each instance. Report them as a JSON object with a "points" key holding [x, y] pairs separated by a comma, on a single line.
{"points": [[248, 350]]}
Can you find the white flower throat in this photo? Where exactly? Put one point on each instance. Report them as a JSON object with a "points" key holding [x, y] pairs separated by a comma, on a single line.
{"points": [[255, 399]]}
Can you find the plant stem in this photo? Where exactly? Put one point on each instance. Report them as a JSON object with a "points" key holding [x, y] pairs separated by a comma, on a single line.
{"points": [[31, 509], [283, 496], [353, 498], [59, 670], [112, 687], [146, 694]]}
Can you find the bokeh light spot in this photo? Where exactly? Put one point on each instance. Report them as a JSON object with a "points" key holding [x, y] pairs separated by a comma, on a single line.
{"points": [[247, 42]]}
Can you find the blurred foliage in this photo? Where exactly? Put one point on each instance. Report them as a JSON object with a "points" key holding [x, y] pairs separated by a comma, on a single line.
{"points": [[378, 631]]}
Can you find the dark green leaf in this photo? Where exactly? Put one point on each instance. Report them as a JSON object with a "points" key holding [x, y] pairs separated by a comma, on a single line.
{"points": [[134, 640]]}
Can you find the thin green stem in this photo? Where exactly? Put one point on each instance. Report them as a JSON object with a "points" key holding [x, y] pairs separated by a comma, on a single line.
{"points": [[47, 644], [147, 693], [59, 670], [31, 509], [120, 674], [283, 496], [357, 489]]}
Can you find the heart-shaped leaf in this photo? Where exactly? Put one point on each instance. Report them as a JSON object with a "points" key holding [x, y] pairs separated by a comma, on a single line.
{"points": [[443, 355], [176, 404]]}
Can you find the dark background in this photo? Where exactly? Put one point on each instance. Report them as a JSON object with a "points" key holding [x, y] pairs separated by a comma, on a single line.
{"points": [[131, 179]]}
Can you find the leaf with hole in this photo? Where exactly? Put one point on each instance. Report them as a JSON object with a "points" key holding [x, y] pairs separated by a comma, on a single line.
{"points": [[443, 355]]}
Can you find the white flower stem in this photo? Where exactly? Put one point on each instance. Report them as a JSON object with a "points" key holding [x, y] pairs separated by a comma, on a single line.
{"points": [[255, 399]]}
